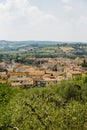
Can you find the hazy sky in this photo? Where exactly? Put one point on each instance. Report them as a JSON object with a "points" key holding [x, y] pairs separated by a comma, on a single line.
{"points": [[59, 20]]}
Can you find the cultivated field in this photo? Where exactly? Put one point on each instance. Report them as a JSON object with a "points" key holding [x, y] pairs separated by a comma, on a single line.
{"points": [[66, 48]]}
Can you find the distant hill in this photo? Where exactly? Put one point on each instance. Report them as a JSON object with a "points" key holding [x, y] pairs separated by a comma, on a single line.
{"points": [[17, 45]]}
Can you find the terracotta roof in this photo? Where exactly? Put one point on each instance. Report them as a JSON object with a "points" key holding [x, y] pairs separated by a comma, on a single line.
{"points": [[76, 72], [49, 79], [36, 73], [49, 72], [3, 75], [17, 73]]}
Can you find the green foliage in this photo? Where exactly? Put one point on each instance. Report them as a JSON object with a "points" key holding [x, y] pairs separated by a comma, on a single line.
{"points": [[5, 93], [58, 107], [84, 64]]}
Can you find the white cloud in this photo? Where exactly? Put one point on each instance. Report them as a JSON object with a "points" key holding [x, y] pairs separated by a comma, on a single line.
{"points": [[68, 8], [83, 19], [20, 16], [20, 20], [65, 1]]}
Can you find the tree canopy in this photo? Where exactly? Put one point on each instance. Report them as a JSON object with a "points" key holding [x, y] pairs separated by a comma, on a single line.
{"points": [[57, 107]]}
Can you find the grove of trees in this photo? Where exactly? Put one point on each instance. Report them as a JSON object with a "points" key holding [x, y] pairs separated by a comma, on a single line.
{"points": [[57, 107]]}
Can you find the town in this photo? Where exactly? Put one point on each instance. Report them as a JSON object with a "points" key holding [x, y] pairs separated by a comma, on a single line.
{"points": [[52, 71], [43, 65], [34, 63]]}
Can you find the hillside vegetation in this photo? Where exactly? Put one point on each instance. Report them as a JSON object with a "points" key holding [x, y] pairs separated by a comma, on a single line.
{"points": [[21, 51], [58, 107]]}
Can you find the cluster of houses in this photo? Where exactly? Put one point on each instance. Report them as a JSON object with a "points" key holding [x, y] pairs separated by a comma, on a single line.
{"points": [[31, 76]]}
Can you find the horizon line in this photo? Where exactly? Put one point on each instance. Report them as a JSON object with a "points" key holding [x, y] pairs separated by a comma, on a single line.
{"points": [[44, 41]]}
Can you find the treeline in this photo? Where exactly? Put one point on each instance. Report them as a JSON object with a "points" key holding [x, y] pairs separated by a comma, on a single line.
{"points": [[58, 107]]}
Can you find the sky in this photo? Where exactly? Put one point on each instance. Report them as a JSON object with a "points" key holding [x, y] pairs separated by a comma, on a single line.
{"points": [[48, 20]]}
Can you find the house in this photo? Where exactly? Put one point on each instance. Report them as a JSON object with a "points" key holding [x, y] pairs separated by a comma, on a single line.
{"points": [[73, 74], [12, 75], [25, 82], [24, 68], [40, 82], [50, 81], [19, 79], [3, 78], [60, 78], [36, 73]]}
